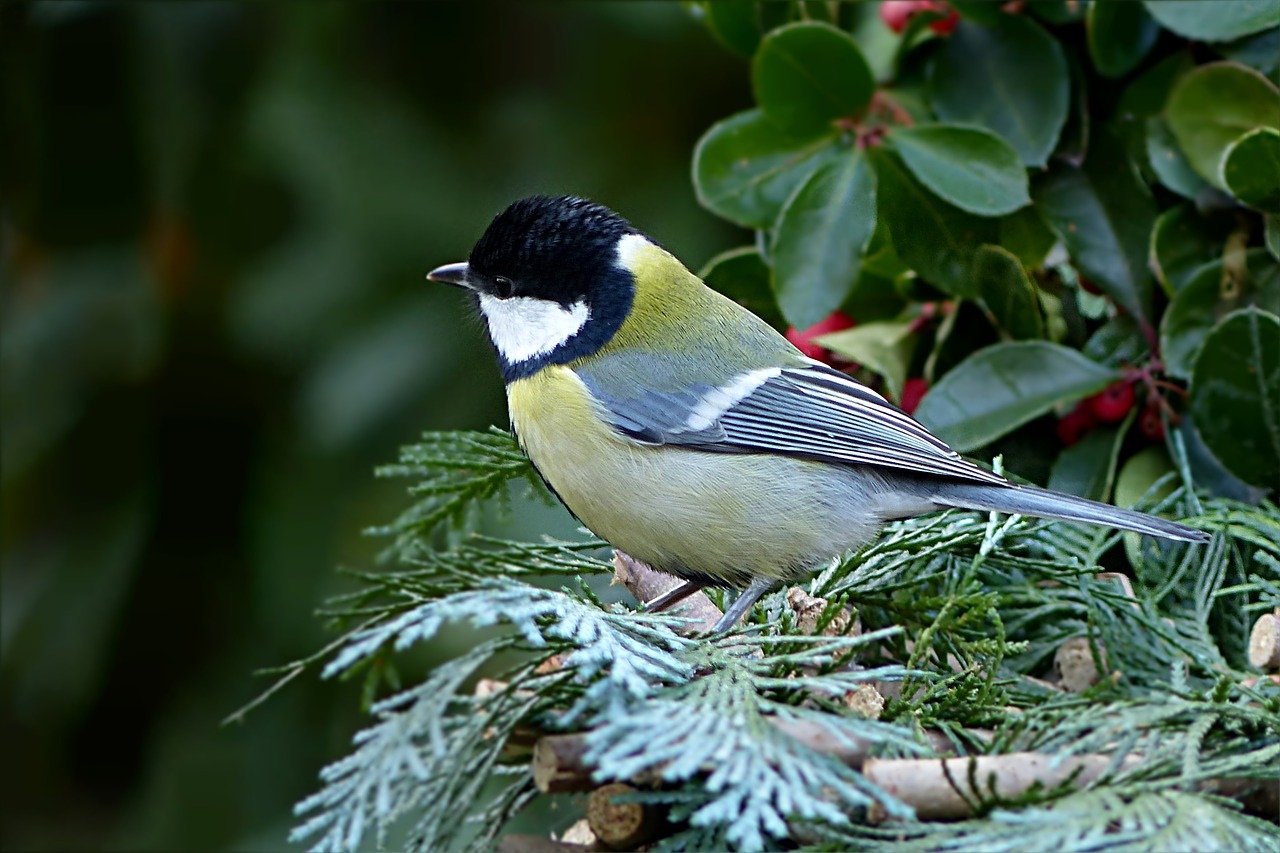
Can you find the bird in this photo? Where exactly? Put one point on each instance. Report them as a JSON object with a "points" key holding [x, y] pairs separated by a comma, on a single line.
{"points": [[687, 432]]}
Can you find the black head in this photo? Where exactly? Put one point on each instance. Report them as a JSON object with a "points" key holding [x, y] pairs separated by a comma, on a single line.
{"points": [[547, 281], [554, 248]]}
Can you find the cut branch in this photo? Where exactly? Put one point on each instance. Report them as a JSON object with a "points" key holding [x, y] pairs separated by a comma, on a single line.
{"points": [[647, 583], [560, 765], [953, 788]]}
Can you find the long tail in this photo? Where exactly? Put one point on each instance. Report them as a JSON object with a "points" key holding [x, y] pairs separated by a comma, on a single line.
{"points": [[1042, 503]]}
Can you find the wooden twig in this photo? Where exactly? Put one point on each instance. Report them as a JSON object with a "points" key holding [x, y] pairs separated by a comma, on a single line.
{"points": [[1076, 668], [1264, 642], [560, 766], [536, 844], [621, 825], [646, 584], [949, 788]]}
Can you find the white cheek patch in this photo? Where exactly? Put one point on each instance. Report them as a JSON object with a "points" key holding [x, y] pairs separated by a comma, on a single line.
{"points": [[523, 327], [717, 401]]}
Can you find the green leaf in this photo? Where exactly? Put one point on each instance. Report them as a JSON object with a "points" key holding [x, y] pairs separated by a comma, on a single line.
{"points": [[744, 168], [935, 238], [1214, 20], [1088, 467], [1211, 294], [1271, 233], [822, 233], [1120, 34], [884, 347], [734, 25], [1057, 11], [1251, 169], [1027, 236], [807, 75], [1147, 94], [981, 11], [970, 167], [1235, 395], [1168, 161], [743, 276], [1212, 106], [1007, 293], [1260, 51], [1073, 141], [1104, 214], [1117, 342], [1010, 77], [1137, 475], [1183, 241], [1000, 388]]}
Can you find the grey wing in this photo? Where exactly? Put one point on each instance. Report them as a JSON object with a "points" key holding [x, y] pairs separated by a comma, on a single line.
{"points": [[811, 412]]}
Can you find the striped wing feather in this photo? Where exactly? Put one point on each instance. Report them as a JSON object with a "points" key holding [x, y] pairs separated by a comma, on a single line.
{"points": [[812, 412]]}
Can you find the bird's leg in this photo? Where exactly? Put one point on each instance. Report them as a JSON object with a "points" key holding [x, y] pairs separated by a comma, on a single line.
{"points": [[742, 604], [673, 596]]}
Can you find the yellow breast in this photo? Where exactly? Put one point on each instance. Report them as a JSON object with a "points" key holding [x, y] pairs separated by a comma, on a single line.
{"points": [[726, 516]]}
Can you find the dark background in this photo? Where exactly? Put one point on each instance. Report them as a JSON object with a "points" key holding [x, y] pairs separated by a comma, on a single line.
{"points": [[216, 220]]}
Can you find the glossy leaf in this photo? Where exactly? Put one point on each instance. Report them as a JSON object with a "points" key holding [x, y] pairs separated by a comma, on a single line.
{"points": [[743, 276], [745, 169], [1010, 77], [1120, 33], [1271, 234], [1147, 94], [734, 25], [935, 238], [884, 347], [1211, 294], [1088, 467], [1168, 161], [1183, 241], [1235, 395], [1117, 342], [807, 75], [1214, 20], [1251, 169], [1000, 388], [1212, 106], [1260, 51], [1007, 293], [1027, 236], [1057, 11], [1073, 141], [1103, 212], [822, 233], [970, 167], [1134, 485]]}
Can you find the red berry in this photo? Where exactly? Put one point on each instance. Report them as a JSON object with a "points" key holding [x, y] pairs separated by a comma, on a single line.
{"points": [[1113, 402], [836, 321], [1150, 422], [945, 25], [1075, 423], [896, 13], [912, 390]]}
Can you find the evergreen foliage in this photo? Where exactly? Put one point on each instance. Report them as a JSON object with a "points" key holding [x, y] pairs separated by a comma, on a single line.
{"points": [[958, 608]]}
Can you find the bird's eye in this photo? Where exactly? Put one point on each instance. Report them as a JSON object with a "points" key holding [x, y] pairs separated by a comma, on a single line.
{"points": [[503, 287]]}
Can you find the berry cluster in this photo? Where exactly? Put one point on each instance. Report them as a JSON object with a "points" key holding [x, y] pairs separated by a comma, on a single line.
{"points": [[1111, 405], [896, 14]]}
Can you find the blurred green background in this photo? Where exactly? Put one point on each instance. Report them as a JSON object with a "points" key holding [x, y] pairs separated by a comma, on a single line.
{"points": [[216, 220]]}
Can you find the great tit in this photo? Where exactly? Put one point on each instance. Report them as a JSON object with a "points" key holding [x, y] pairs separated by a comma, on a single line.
{"points": [[685, 431]]}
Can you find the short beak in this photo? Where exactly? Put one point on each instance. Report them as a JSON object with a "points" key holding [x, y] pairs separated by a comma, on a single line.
{"points": [[455, 274]]}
